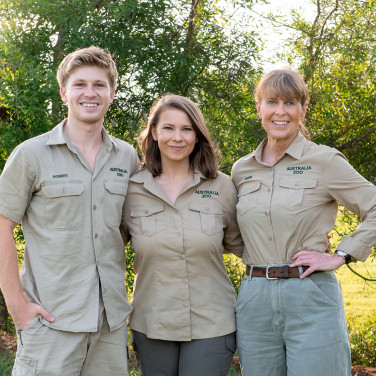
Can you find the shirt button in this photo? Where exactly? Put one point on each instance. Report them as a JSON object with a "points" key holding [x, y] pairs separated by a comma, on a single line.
{"points": [[179, 233], [266, 213], [207, 210], [184, 281], [182, 257], [185, 305], [177, 212], [296, 184], [269, 189], [95, 207], [96, 235], [270, 238], [146, 212]]}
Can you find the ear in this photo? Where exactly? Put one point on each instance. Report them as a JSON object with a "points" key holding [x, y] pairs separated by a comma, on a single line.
{"points": [[258, 108], [112, 95], [154, 134], [63, 94], [304, 109]]}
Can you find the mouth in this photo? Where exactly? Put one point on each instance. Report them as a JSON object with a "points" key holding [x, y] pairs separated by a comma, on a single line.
{"points": [[89, 105], [280, 123], [176, 148]]}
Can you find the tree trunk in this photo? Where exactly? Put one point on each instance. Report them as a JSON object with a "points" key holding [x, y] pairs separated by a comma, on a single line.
{"points": [[3, 313]]}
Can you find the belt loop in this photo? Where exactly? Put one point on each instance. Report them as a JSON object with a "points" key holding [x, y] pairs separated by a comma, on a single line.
{"points": [[301, 271], [250, 273], [285, 271]]}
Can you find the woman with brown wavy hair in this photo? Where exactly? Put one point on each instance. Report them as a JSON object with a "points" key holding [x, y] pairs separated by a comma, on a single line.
{"points": [[180, 213]]}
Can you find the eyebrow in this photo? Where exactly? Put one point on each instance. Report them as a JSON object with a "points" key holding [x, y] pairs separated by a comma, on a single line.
{"points": [[84, 80]]}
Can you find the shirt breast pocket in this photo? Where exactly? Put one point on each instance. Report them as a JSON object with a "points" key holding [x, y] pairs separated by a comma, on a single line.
{"points": [[291, 192], [63, 205], [248, 195], [115, 192], [206, 217], [149, 219]]}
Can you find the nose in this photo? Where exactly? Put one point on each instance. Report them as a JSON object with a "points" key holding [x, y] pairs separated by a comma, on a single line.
{"points": [[89, 91], [177, 135], [280, 108]]}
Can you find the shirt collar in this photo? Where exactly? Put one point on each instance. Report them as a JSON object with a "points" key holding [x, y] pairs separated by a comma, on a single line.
{"points": [[145, 176], [58, 137], [295, 149]]}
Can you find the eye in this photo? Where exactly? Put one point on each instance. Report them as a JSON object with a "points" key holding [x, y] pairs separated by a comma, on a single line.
{"points": [[79, 84], [99, 85], [187, 129], [167, 127], [290, 103], [271, 101]]}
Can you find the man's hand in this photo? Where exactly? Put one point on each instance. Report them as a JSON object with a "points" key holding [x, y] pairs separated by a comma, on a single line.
{"points": [[317, 261], [26, 312]]}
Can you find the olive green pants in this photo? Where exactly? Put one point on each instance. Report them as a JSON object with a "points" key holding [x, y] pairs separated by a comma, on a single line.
{"points": [[199, 357], [292, 327], [43, 351]]}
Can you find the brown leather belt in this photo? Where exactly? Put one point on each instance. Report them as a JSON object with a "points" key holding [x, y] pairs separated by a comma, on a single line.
{"points": [[273, 272]]}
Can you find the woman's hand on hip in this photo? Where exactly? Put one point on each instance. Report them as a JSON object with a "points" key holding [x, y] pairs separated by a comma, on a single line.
{"points": [[317, 261]]}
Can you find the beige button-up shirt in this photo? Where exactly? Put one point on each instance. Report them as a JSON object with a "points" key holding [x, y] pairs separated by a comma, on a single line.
{"points": [[292, 206], [71, 218], [182, 290]]}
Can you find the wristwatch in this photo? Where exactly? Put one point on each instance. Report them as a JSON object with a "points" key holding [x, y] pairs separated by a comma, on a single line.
{"points": [[345, 255]]}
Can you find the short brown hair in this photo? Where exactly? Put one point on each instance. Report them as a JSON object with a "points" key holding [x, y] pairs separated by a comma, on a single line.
{"points": [[287, 84], [202, 157], [87, 56]]}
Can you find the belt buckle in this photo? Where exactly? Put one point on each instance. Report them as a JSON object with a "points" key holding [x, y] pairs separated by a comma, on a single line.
{"points": [[267, 273]]}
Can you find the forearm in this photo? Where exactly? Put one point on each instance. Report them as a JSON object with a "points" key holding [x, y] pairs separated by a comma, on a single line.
{"points": [[9, 271], [21, 310]]}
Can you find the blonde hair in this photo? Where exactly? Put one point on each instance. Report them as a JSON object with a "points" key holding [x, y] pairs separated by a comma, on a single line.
{"points": [[93, 56], [287, 84], [202, 157]]}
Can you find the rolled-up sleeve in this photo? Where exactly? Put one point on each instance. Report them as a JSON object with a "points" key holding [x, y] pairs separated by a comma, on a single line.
{"points": [[357, 194]]}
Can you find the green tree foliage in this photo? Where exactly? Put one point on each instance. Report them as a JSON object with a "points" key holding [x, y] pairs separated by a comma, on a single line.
{"points": [[203, 49], [336, 54]]}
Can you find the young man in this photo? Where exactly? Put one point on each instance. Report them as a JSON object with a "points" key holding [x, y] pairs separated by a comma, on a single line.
{"points": [[68, 187]]}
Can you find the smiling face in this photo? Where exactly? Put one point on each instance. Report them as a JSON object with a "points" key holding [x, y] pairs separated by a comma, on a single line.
{"points": [[280, 117], [175, 136], [88, 95]]}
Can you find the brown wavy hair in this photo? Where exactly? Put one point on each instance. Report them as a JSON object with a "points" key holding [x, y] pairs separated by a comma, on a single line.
{"points": [[287, 84], [93, 56], [202, 157]]}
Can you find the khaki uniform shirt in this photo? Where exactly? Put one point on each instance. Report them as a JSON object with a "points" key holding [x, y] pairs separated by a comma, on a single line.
{"points": [[182, 290], [71, 216], [292, 206]]}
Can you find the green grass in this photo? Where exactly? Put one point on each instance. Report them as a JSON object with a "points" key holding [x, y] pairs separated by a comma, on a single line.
{"points": [[6, 363], [359, 296]]}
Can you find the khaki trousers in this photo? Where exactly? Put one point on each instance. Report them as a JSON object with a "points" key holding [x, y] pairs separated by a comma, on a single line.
{"points": [[49, 352], [292, 327]]}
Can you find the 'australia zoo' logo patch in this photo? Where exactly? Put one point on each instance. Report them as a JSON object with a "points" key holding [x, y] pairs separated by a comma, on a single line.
{"points": [[298, 170], [206, 194]]}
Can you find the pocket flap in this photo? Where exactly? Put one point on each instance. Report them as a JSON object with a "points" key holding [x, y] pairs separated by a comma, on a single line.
{"points": [[61, 190], [246, 188], [298, 184], [146, 211], [205, 208], [117, 187]]}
